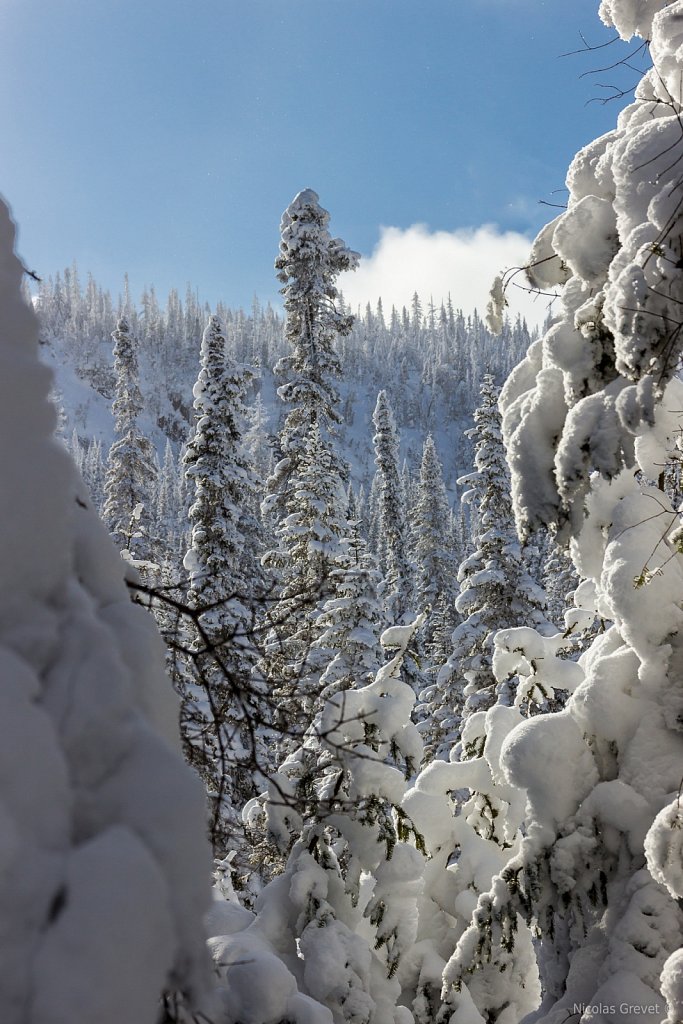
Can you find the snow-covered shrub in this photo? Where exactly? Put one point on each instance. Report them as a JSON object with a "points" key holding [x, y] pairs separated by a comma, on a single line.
{"points": [[347, 900]]}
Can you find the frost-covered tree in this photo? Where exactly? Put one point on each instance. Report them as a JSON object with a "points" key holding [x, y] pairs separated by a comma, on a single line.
{"points": [[471, 820], [495, 589], [560, 580], [94, 473], [305, 498], [393, 538], [434, 553], [346, 902], [308, 265], [258, 440], [590, 418], [167, 510], [348, 628], [131, 473], [104, 866], [223, 583], [312, 545], [374, 516]]}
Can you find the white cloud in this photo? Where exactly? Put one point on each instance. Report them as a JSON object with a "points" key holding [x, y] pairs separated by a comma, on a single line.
{"points": [[436, 263]]}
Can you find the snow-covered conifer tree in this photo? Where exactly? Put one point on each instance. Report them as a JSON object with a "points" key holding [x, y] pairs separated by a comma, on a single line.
{"points": [[104, 877], [393, 544], [560, 580], [374, 515], [305, 495], [495, 590], [167, 511], [257, 439], [94, 473], [131, 469], [590, 417], [312, 545], [223, 577], [471, 819], [348, 626], [433, 551], [310, 260]]}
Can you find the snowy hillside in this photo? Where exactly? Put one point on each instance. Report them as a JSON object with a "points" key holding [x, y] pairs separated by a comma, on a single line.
{"points": [[429, 363]]}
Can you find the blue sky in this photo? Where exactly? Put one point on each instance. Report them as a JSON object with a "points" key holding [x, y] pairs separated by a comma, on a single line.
{"points": [[164, 138]]}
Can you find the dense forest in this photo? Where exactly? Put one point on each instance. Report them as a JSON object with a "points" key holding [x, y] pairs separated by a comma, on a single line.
{"points": [[342, 650]]}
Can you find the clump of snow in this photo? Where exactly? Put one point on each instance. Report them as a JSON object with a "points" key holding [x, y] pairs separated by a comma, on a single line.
{"points": [[495, 310], [548, 757], [545, 269], [664, 848], [630, 17], [255, 986], [672, 987], [570, 238]]}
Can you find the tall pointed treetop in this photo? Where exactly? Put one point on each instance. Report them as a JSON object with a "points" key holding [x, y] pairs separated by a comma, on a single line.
{"points": [[308, 265]]}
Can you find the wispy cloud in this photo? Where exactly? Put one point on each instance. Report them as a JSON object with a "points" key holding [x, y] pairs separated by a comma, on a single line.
{"points": [[434, 264]]}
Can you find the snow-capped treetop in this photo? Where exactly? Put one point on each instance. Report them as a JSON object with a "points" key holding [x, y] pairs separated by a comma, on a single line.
{"points": [[308, 265], [105, 869], [212, 355], [305, 241]]}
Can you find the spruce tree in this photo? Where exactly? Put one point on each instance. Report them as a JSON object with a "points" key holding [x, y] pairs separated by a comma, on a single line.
{"points": [[311, 549], [435, 555], [348, 626], [167, 511], [353, 876], [131, 475], [310, 260], [219, 714], [495, 589], [94, 473], [393, 543], [305, 502], [590, 419]]}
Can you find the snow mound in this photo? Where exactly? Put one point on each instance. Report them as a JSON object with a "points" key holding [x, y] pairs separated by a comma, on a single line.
{"points": [[105, 872]]}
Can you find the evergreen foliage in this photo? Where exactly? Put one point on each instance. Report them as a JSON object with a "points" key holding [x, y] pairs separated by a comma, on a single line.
{"points": [[312, 547], [393, 540], [434, 551], [352, 877], [305, 499], [219, 716], [131, 467], [308, 264], [495, 589]]}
